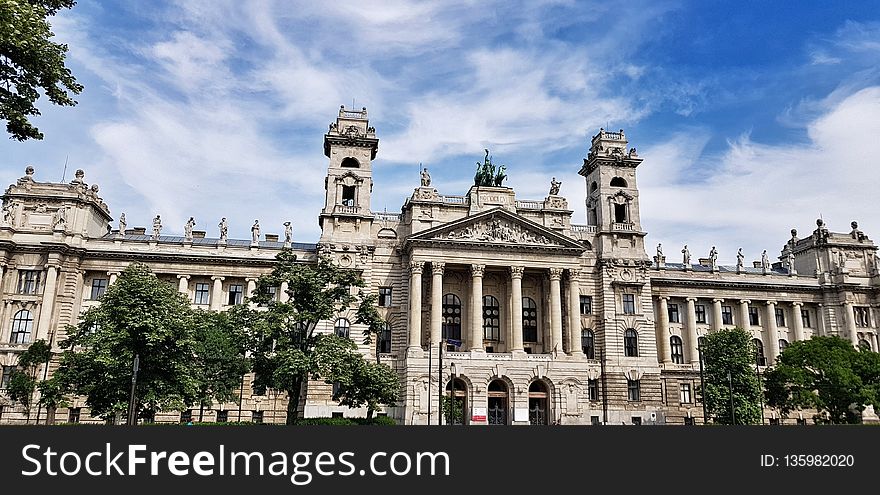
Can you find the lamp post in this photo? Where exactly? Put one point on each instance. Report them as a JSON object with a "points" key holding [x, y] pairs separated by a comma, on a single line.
{"points": [[132, 404], [730, 384], [702, 382]]}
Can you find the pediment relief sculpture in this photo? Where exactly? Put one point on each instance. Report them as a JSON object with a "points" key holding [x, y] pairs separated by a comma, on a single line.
{"points": [[498, 231]]}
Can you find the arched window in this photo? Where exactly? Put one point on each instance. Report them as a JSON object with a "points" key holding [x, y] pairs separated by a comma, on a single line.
{"points": [[759, 352], [677, 349], [497, 402], [455, 402], [384, 339], [618, 182], [529, 320], [348, 195], [630, 343], [864, 344], [538, 403], [782, 344], [594, 186], [22, 324], [451, 317], [342, 328], [350, 162], [491, 318], [588, 343]]}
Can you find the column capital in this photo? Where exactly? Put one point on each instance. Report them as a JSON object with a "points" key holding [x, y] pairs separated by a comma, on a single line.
{"points": [[517, 271], [797, 303], [690, 299], [113, 272], [183, 276], [574, 272], [717, 300], [770, 303], [555, 273], [663, 298], [248, 279], [438, 267], [217, 277], [745, 301], [416, 267], [477, 270]]}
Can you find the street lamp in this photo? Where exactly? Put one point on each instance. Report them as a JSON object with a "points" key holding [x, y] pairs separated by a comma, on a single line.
{"points": [[702, 381]]}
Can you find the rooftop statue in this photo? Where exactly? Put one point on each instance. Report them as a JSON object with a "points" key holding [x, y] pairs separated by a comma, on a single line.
{"points": [[426, 177], [554, 186], [488, 174]]}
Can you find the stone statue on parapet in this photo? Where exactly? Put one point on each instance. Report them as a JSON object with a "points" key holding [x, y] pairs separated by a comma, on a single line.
{"points": [[686, 255], [739, 257], [288, 232], [659, 250], [255, 232], [554, 186], [488, 174], [224, 229], [713, 257], [426, 177], [188, 228], [157, 227], [765, 261]]}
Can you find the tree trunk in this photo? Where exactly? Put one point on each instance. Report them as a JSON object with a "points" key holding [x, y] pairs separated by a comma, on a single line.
{"points": [[293, 395], [201, 410], [369, 413]]}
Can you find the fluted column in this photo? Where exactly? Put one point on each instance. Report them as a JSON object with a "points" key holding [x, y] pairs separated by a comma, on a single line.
{"points": [[251, 287], [437, 269], [772, 332], [217, 293], [691, 343], [744, 322], [716, 314], [183, 284], [415, 305], [850, 319], [2, 272], [820, 319], [555, 310], [574, 313], [516, 310], [797, 321], [48, 303], [475, 339], [663, 331]]}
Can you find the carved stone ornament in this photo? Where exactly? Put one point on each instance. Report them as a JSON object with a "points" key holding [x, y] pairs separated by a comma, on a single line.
{"points": [[499, 231], [477, 270], [416, 267]]}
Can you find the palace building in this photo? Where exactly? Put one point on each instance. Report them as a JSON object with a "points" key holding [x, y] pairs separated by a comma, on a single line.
{"points": [[540, 320]]}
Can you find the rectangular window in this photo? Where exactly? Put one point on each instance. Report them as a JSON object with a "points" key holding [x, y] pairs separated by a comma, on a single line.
{"points": [[629, 304], [633, 390], [637, 420], [186, 416], [336, 415], [73, 415], [774, 421], [273, 293], [586, 305], [257, 417], [861, 316], [28, 281], [99, 286], [700, 310], [384, 297], [754, 317], [593, 389], [674, 317], [337, 387], [802, 422], [805, 317], [685, 393], [780, 317], [726, 315], [688, 421], [5, 375], [222, 416], [203, 293], [594, 420], [236, 294]]}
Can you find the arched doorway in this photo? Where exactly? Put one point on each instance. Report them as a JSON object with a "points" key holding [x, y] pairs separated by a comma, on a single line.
{"points": [[538, 402], [499, 403], [455, 402]]}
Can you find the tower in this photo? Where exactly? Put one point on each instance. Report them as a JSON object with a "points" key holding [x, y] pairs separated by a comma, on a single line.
{"points": [[613, 196], [351, 146]]}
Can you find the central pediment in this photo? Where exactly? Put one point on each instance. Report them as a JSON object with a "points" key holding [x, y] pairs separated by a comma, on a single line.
{"points": [[498, 228]]}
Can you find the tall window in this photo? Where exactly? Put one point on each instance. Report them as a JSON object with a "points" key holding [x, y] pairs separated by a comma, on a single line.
{"points": [[588, 343], [630, 343], [348, 193], [726, 315], [633, 390], [684, 390], [586, 305], [257, 417], [700, 311], [677, 349], [342, 328], [186, 416], [73, 415], [805, 317], [384, 297], [28, 281], [236, 294], [273, 293], [782, 344], [222, 416], [864, 344], [99, 286], [593, 389], [5, 375], [780, 317], [759, 352], [384, 339], [451, 317], [629, 304], [754, 317], [672, 310], [530, 320], [491, 318], [861, 316], [22, 325], [203, 293]]}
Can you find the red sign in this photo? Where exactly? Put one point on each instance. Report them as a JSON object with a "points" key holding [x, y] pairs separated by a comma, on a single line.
{"points": [[478, 419]]}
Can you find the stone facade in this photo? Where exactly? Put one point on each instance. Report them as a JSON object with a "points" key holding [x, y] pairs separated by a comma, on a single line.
{"points": [[540, 320]]}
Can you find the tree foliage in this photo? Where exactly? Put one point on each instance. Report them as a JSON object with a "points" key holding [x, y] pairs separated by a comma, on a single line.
{"points": [[731, 351], [23, 382], [139, 315], [285, 350], [31, 63], [827, 374], [365, 383], [220, 358]]}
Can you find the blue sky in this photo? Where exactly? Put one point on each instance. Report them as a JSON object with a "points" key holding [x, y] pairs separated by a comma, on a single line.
{"points": [[752, 117]]}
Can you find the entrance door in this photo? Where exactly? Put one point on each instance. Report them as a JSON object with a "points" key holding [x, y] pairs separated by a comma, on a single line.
{"points": [[498, 403], [455, 402], [538, 403]]}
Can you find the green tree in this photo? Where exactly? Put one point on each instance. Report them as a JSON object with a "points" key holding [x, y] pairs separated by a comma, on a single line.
{"points": [[23, 382], [31, 63], [139, 315], [219, 360], [827, 374], [285, 350], [365, 383], [729, 360]]}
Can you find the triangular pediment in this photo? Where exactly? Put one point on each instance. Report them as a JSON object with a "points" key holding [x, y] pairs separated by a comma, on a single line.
{"points": [[497, 227]]}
